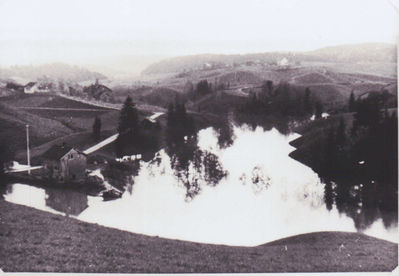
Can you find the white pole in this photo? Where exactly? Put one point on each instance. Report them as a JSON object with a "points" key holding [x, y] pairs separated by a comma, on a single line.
{"points": [[27, 147]]}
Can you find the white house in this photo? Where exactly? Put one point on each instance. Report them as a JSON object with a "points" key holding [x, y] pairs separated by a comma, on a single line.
{"points": [[283, 62], [35, 87]]}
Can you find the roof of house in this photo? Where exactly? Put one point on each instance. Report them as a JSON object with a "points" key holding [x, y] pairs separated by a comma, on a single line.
{"points": [[30, 84], [98, 87], [56, 152]]}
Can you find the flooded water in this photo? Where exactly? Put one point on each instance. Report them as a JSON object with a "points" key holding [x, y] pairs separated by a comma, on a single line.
{"points": [[246, 191]]}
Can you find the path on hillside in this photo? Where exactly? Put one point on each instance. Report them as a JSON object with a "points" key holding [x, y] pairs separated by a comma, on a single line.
{"points": [[112, 138], [23, 168], [101, 144], [61, 109], [142, 107]]}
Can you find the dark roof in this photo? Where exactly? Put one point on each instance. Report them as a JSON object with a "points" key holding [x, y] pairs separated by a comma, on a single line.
{"points": [[98, 87], [30, 84], [56, 152]]}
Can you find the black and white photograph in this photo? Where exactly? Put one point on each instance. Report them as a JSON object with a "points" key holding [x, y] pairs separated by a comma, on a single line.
{"points": [[187, 136]]}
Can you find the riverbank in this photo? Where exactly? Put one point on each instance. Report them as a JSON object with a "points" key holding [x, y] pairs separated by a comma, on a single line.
{"points": [[33, 241]]}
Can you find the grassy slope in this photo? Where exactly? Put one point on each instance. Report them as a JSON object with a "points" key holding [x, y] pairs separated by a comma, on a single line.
{"points": [[50, 127], [12, 128], [332, 86], [60, 102], [57, 243]]}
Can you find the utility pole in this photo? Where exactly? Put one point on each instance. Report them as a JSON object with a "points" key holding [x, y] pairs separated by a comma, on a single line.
{"points": [[27, 147]]}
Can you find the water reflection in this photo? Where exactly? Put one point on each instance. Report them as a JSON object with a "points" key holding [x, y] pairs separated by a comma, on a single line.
{"points": [[255, 202], [365, 203], [59, 201], [194, 167], [66, 201], [244, 192]]}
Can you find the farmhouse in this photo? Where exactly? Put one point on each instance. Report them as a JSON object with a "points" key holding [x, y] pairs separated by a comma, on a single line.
{"points": [[283, 63], [35, 87], [64, 163], [99, 92]]}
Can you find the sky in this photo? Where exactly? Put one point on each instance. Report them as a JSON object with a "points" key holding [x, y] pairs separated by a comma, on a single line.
{"points": [[82, 31]]}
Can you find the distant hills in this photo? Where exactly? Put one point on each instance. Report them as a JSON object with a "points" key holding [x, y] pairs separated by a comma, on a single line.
{"points": [[366, 52], [53, 71], [356, 53]]}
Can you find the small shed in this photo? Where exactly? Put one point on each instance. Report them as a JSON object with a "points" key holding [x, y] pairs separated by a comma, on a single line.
{"points": [[64, 163]]}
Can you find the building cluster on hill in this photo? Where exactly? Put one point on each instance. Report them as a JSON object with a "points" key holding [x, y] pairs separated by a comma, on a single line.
{"points": [[95, 91]]}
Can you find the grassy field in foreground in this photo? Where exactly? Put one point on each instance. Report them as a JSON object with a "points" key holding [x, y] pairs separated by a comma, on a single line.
{"points": [[32, 240]]}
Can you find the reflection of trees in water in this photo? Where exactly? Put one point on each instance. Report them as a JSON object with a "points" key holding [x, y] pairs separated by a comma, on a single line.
{"points": [[193, 166], [258, 179], [120, 174], [282, 124], [66, 201], [225, 131], [5, 189], [364, 203]]}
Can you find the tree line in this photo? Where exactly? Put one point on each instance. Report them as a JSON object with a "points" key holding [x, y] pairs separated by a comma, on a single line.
{"points": [[283, 100], [370, 139], [132, 136], [364, 152], [179, 123]]}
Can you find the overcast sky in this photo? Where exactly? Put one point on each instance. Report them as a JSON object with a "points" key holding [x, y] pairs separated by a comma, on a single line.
{"points": [[78, 31]]}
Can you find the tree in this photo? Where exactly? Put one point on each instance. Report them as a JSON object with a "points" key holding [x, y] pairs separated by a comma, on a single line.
{"points": [[188, 89], [328, 195], [368, 113], [340, 135], [203, 88], [171, 115], [179, 123], [329, 154], [129, 119], [180, 112], [269, 85], [352, 102], [5, 156], [307, 104], [318, 109], [97, 128]]}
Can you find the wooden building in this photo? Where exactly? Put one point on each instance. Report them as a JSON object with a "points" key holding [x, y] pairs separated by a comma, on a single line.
{"points": [[64, 163]]}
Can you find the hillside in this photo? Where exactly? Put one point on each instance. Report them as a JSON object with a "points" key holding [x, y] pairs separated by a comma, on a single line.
{"points": [[331, 86], [33, 240], [53, 71], [49, 117], [365, 52], [13, 123], [331, 73], [357, 53]]}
